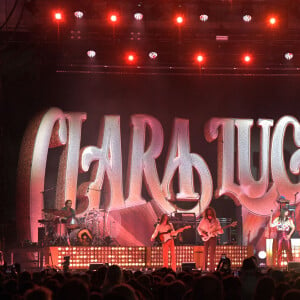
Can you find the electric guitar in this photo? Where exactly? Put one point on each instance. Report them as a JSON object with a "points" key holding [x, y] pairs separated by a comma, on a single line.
{"points": [[170, 234], [207, 235]]}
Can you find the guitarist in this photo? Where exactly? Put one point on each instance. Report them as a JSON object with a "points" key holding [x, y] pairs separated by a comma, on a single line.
{"points": [[164, 230], [210, 227]]}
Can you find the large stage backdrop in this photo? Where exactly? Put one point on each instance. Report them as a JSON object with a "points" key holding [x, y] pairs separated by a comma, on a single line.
{"points": [[139, 145]]}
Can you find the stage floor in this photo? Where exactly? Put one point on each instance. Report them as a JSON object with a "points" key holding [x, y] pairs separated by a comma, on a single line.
{"points": [[141, 257]]}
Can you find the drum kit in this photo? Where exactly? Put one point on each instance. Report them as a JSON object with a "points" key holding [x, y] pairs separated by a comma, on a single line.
{"points": [[62, 228]]}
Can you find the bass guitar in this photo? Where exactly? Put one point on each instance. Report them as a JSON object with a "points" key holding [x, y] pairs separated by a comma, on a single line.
{"points": [[170, 234], [207, 235]]}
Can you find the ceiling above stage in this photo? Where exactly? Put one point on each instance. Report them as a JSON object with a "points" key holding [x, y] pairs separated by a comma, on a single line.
{"points": [[194, 35]]}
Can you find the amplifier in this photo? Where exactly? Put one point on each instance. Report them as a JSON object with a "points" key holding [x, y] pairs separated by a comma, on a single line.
{"points": [[186, 217]]}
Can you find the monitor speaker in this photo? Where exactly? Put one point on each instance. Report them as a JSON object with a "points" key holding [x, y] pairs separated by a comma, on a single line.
{"points": [[94, 267], [294, 266], [188, 266]]}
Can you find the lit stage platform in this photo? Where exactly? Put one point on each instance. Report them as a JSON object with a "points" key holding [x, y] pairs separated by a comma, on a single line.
{"points": [[140, 257]]}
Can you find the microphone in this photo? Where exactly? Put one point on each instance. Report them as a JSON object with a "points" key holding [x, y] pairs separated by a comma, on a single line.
{"points": [[296, 193]]}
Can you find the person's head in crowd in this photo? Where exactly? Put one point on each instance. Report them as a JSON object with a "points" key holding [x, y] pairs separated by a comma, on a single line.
{"points": [[126, 291], [297, 283], [25, 286], [10, 286], [168, 278], [187, 279], [292, 294], [280, 289], [74, 289], [137, 274], [175, 290], [265, 289], [54, 286], [232, 288], [24, 276], [255, 260], [38, 293], [113, 275], [248, 265], [277, 275], [206, 288], [144, 280], [96, 296]]}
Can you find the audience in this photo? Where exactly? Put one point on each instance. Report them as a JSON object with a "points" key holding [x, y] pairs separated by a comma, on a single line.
{"points": [[113, 283]]}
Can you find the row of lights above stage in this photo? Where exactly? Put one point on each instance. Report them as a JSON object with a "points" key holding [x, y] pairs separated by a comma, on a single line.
{"points": [[175, 34], [179, 19], [198, 58]]}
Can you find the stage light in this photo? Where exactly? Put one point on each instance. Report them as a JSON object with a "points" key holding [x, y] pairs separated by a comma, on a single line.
{"points": [[203, 18], [272, 21], [262, 254], [288, 56], [131, 58], [138, 16], [113, 18], [91, 53], [199, 58], [58, 16], [247, 18], [153, 55], [78, 14], [247, 58], [179, 19]]}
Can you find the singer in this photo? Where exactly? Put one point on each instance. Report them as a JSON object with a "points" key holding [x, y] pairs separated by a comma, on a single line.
{"points": [[285, 229]]}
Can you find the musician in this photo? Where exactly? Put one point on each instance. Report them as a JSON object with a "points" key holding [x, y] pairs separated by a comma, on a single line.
{"points": [[164, 230], [285, 228], [68, 208], [210, 227]]}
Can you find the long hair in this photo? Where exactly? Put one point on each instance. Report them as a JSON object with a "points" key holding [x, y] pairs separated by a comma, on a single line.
{"points": [[212, 211], [162, 218], [282, 216]]}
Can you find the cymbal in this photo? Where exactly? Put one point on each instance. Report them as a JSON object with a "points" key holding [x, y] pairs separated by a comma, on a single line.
{"points": [[283, 200], [46, 221], [57, 212]]}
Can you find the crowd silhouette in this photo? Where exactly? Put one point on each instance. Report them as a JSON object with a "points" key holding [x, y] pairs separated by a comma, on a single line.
{"points": [[113, 283]]}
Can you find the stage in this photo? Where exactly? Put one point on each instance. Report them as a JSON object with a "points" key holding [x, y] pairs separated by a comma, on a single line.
{"points": [[82, 258]]}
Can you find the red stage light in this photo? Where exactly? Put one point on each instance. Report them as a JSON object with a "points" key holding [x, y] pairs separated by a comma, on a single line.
{"points": [[272, 21], [113, 18], [247, 58], [131, 57], [200, 58], [179, 19], [58, 16]]}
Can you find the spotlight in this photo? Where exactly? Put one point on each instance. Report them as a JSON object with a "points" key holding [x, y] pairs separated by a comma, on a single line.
{"points": [[288, 56], [262, 254], [179, 19], [203, 18], [91, 53], [247, 58], [78, 14], [247, 18], [153, 55], [58, 16], [131, 58], [113, 18], [199, 58], [138, 16], [272, 21]]}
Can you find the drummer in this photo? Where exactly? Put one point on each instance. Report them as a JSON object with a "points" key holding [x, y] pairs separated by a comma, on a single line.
{"points": [[68, 208]]}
